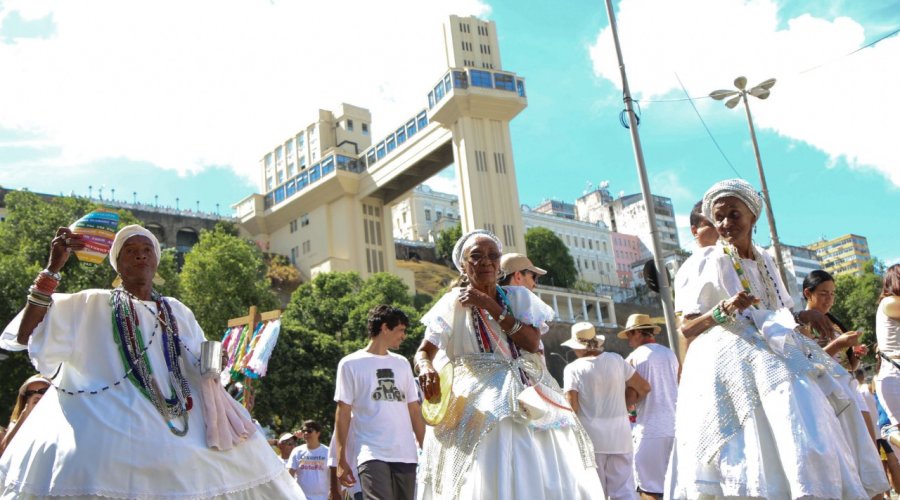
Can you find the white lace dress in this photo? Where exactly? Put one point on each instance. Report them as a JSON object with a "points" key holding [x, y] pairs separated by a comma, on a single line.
{"points": [[115, 444], [764, 415], [515, 458]]}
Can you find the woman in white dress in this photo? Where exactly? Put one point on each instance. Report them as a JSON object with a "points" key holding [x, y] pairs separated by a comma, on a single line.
{"points": [[761, 408], [508, 432], [887, 331], [128, 414]]}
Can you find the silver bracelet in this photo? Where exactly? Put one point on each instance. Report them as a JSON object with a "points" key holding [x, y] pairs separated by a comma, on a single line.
{"points": [[514, 330]]}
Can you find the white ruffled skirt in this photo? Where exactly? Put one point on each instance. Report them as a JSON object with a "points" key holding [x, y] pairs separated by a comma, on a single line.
{"points": [[792, 445], [514, 461]]}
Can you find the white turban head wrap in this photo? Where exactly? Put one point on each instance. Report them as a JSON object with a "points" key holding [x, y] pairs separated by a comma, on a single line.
{"points": [[125, 233], [467, 240], [736, 188]]}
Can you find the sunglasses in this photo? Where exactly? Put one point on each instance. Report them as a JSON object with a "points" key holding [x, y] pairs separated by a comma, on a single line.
{"points": [[28, 394]]}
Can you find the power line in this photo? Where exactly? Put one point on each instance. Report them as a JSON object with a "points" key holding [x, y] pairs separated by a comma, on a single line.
{"points": [[691, 100]]}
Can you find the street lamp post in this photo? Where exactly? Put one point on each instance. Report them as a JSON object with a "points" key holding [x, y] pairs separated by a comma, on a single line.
{"points": [[761, 91], [665, 294]]}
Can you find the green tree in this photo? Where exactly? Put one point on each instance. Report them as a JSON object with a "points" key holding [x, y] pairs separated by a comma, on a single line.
{"points": [[31, 222], [856, 300], [325, 320], [443, 247], [223, 276], [546, 250]]}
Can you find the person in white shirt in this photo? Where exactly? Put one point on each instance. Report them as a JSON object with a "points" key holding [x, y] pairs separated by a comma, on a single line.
{"points": [[338, 492], [595, 386], [517, 270], [377, 400], [308, 463], [654, 431], [286, 444]]}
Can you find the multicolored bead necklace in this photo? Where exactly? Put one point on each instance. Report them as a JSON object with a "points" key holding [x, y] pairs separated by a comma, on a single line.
{"points": [[129, 338], [771, 297]]}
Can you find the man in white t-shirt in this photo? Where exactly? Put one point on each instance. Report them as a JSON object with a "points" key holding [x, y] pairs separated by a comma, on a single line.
{"points": [[595, 386], [354, 492], [377, 400], [654, 430], [308, 463]]}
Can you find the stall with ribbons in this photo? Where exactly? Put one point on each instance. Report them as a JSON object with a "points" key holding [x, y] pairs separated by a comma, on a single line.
{"points": [[247, 346]]}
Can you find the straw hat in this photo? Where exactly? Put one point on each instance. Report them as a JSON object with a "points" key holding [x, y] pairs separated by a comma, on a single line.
{"points": [[583, 335], [514, 262], [638, 322]]}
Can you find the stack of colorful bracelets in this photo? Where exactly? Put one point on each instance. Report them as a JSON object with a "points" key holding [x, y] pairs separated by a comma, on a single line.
{"points": [[719, 314], [41, 292]]}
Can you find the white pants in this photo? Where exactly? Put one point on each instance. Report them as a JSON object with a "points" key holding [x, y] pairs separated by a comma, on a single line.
{"points": [[651, 458], [887, 385], [616, 475]]}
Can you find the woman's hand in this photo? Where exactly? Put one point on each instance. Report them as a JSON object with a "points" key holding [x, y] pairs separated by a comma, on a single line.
{"points": [[430, 381], [849, 339], [472, 297], [62, 246], [739, 302]]}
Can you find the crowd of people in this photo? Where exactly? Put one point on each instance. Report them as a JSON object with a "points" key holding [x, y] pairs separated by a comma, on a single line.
{"points": [[769, 399]]}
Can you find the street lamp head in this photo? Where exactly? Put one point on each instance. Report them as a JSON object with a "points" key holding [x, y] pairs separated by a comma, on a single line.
{"points": [[731, 103], [761, 91], [740, 82], [722, 94]]}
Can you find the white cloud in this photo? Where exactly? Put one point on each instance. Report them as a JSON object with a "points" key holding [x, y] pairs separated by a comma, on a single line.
{"points": [[186, 85], [844, 106], [444, 182]]}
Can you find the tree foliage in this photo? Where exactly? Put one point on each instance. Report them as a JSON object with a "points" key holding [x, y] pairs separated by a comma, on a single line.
{"points": [[443, 247], [546, 250], [223, 276], [324, 321], [856, 301]]}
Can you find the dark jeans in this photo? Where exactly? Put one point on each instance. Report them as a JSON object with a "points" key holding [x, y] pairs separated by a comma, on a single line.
{"points": [[387, 480]]}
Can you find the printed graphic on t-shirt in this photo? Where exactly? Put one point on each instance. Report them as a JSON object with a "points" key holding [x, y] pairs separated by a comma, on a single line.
{"points": [[387, 390]]}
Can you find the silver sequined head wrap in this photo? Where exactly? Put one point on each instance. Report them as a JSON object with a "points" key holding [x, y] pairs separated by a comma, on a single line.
{"points": [[737, 188], [459, 250]]}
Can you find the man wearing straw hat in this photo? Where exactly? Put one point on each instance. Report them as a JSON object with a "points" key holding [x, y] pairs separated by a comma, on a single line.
{"points": [[654, 431], [595, 386]]}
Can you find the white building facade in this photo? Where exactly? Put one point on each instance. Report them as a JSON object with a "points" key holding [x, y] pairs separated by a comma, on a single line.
{"points": [[423, 214], [628, 215]]}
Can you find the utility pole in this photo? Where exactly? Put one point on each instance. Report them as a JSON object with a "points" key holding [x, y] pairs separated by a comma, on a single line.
{"points": [[662, 273]]}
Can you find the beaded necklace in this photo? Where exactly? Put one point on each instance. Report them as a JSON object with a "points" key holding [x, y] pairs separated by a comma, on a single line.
{"points": [[769, 296], [484, 333], [129, 338]]}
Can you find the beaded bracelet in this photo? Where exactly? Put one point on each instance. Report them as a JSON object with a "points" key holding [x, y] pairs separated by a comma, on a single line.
{"points": [[719, 315]]}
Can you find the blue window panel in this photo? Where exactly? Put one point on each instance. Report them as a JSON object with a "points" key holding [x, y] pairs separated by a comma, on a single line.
{"points": [[370, 158], [504, 82], [314, 173], [422, 119], [401, 135], [279, 194], [439, 92], [302, 180], [390, 143], [290, 188], [379, 150], [328, 165], [481, 78], [411, 128], [520, 88], [460, 80], [431, 99], [447, 85]]}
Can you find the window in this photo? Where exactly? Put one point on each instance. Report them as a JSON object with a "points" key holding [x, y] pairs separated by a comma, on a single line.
{"points": [[290, 188], [365, 129], [410, 128], [427, 214], [460, 80], [306, 247], [390, 143], [480, 78], [349, 125], [294, 256], [314, 173], [302, 180], [302, 162], [380, 152], [300, 142], [304, 220], [422, 120], [328, 165], [401, 135], [437, 215], [292, 227]]}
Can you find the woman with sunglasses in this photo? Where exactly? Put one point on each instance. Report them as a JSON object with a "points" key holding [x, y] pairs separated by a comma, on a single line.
{"points": [[507, 431], [30, 393]]}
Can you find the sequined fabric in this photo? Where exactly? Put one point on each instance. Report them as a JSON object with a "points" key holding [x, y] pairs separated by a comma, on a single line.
{"points": [[748, 370], [485, 391]]}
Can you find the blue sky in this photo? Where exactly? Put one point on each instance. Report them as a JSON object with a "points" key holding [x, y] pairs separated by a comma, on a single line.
{"points": [[180, 101]]}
